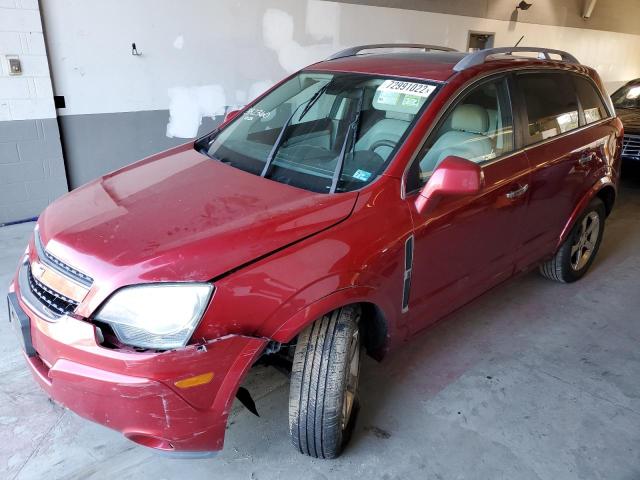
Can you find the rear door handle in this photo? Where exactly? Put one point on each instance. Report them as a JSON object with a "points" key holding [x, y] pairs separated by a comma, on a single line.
{"points": [[518, 193], [587, 158]]}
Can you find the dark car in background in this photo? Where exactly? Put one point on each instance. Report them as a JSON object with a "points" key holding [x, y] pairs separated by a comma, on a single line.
{"points": [[626, 101]]}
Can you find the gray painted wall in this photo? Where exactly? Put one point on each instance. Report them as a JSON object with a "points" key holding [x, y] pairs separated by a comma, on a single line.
{"points": [[611, 15], [98, 144], [31, 168]]}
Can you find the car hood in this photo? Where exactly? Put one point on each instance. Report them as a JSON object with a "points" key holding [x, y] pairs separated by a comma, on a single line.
{"points": [[630, 119], [181, 216]]}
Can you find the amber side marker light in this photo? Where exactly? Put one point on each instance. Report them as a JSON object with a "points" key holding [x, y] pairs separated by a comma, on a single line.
{"points": [[194, 381]]}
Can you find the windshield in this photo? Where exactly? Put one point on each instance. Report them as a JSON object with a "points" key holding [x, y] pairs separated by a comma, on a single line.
{"points": [[322, 132], [627, 97]]}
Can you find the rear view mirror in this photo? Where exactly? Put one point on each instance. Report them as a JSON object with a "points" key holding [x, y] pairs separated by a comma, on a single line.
{"points": [[454, 176]]}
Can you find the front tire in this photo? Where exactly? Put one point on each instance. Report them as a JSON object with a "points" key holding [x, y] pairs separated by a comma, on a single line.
{"points": [[578, 251], [324, 380]]}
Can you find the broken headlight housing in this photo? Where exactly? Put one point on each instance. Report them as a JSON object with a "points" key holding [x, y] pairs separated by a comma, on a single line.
{"points": [[158, 316]]}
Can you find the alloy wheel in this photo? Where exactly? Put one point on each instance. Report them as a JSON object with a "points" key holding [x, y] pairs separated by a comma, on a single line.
{"points": [[583, 248], [353, 375]]}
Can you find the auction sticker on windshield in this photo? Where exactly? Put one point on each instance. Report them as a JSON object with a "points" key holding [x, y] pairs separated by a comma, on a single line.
{"points": [[409, 88], [402, 97]]}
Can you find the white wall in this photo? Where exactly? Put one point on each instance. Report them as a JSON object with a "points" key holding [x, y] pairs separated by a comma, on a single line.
{"points": [[27, 96], [200, 55]]}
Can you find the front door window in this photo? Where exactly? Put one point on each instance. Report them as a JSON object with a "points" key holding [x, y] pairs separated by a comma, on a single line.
{"points": [[479, 128]]}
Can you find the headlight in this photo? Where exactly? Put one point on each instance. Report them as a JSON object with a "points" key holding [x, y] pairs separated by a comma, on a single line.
{"points": [[158, 316]]}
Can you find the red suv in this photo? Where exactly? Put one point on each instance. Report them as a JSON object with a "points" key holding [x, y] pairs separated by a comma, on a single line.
{"points": [[354, 204]]}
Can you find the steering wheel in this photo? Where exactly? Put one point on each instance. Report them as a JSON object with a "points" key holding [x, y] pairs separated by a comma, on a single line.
{"points": [[382, 143]]}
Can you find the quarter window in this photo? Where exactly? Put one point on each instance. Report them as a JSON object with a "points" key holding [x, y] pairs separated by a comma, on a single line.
{"points": [[590, 101], [551, 105], [479, 128]]}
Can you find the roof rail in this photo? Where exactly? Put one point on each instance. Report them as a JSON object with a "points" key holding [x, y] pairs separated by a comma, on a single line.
{"points": [[479, 57], [350, 52]]}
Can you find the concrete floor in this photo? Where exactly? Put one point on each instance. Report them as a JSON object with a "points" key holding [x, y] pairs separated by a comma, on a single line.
{"points": [[535, 380]]}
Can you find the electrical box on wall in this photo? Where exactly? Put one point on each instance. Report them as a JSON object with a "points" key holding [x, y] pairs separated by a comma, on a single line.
{"points": [[480, 41], [15, 67]]}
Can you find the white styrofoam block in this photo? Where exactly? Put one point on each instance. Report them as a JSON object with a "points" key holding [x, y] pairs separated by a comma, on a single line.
{"points": [[323, 20], [188, 105], [34, 65], [17, 20], [10, 43], [32, 108], [7, 3], [44, 88], [14, 88]]}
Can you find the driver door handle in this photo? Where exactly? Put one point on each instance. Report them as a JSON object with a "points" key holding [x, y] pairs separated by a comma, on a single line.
{"points": [[518, 192]]}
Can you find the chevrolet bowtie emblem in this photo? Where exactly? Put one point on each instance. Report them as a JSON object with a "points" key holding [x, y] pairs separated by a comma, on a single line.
{"points": [[37, 270], [58, 282]]}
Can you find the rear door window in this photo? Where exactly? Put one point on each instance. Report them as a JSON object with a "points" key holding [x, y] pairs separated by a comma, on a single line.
{"points": [[590, 100], [551, 105]]}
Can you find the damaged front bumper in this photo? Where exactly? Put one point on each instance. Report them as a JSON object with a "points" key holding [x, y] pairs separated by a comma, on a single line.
{"points": [[176, 401]]}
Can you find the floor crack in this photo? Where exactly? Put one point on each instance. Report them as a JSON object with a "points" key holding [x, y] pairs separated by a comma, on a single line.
{"points": [[582, 390], [39, 445]]}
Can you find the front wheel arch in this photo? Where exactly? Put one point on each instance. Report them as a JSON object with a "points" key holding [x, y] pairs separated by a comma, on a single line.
{"points": [[374, 329], [608, 196], [374, 321]]}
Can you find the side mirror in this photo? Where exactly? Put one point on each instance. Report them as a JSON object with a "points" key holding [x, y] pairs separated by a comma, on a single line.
{"points": [[231, 114], [454, 176]]}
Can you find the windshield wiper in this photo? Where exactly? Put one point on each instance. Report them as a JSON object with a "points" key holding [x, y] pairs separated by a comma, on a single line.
{"points": [[312, 101], [352, 133], [203, 143], [276, 146]]}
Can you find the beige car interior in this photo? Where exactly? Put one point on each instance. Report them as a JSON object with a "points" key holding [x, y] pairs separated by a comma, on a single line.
{"points": [[386, 122], [467, 137], [476, 129]]}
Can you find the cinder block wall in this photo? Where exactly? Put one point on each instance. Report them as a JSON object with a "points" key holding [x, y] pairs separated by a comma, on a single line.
{"points": [[32, 171]]}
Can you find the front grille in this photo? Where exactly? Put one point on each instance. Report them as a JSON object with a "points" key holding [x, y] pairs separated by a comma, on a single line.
{"points": [[60, 266], [53, 300], [631, 147]]}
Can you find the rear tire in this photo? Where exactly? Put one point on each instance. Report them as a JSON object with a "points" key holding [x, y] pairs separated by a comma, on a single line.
{"points": [[578, 251], [323, 398]]}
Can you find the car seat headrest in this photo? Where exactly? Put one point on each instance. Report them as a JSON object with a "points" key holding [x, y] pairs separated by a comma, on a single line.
{"points": [[470, 118]]}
